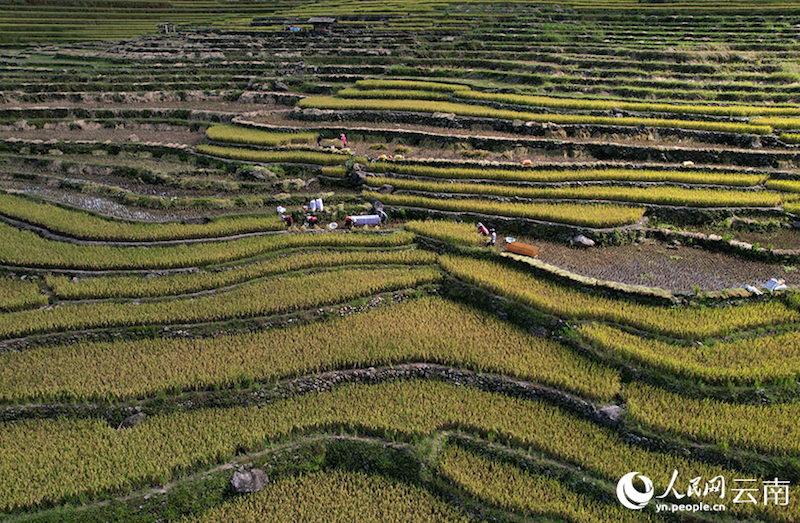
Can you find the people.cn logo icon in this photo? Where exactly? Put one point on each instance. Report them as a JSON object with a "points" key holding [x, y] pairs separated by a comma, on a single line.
{"points": [[630, 496]]}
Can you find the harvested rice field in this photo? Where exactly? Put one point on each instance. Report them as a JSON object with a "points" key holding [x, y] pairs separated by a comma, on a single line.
{"points": [[431, 261]]}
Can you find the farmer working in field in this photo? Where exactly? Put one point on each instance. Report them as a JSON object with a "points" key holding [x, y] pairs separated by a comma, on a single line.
{"points": [[319, 140], [343, 138]]}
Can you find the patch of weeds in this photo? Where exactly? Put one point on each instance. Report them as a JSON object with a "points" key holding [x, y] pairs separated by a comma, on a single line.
{"points": [[478, 153]]}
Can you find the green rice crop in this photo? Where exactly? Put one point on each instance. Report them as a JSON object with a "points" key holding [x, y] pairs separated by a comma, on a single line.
{"points": [[453, 232], [335, 496], [334, 172], [510, 488], [566, 302], [652, 195], [792, 207], [410, 84], [748, 361], [67, 457], [284, 156], [20, 294], [479, 111], [246, 135], [261, 298], [429, 330], [568, 175], [583, 104], [189, 282], [793, 138], [784, 185], [777, 122], [392, 93], [25, 248], [82, 224], [760, 428], [588, 215]]}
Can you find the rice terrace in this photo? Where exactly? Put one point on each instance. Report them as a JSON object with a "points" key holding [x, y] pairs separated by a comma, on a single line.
{"points": [[399, 261]]}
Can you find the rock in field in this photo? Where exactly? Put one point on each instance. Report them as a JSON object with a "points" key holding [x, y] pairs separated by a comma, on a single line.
{"points": [[612, 412], [358, 178], [252, 480], [132, 420]]}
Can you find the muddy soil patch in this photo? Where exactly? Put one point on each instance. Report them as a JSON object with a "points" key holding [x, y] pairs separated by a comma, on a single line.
{"points": [[657, 264]]}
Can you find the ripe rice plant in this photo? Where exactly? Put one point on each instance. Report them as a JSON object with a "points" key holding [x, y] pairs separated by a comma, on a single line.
{"points": [[453, 232], [712, 421], [184, 283], [588, 215], [429, 330], [25, 248], [334, 172], [246, 135], [584, 104], [334, 496], [792, 207], [567, 175], [82, 224], [410, 84], [479, 111], [67, 457], [565, 302], [20, 294], [258, 299], [392, 93], [285, 156], [765, 359], [784, 185], [793, 138], [510, 488], [652, 195], [777, 122]]}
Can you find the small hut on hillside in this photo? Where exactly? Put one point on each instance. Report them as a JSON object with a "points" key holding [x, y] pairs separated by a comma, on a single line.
{"points": [[322, 24]]}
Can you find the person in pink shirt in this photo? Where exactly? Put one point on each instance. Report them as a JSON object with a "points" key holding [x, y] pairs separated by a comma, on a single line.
{"points": [[343, 138]]}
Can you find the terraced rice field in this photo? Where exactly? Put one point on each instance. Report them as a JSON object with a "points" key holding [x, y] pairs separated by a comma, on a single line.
{"points": [[246, 271]]}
